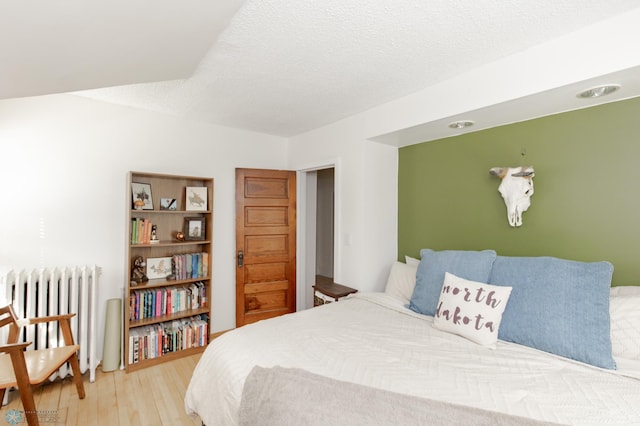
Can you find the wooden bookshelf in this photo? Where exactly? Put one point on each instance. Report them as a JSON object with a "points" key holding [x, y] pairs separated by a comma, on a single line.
{"points": [[168, 315]]}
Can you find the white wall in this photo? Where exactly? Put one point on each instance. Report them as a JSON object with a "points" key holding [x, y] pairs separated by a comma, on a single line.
{"points": [[65, 161], [365, 199], [63, 178]]}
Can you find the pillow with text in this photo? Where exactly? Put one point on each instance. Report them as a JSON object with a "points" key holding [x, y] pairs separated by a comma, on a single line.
{"points": [[471, 309]]}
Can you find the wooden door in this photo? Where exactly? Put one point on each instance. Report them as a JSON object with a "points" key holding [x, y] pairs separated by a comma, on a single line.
{"points": [[265, 244]]}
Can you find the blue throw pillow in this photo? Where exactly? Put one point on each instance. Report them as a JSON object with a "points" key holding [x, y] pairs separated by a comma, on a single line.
{"points": [[558, 306], [470, 265]]}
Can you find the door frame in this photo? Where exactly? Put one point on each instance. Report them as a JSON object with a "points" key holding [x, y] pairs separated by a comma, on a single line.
{"points": [[305, 270]]}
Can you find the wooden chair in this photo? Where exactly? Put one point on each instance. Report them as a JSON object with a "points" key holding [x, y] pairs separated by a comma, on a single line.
{"points": [[27, 369]]}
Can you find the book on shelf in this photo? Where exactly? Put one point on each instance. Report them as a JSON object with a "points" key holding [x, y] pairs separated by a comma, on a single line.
{"points": [[141, 231], [187, 265], [156, 340], [190, 265], [161, 301]]}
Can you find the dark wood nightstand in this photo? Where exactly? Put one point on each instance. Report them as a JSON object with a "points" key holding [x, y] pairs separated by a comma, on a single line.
{"points": [[331, 290]]}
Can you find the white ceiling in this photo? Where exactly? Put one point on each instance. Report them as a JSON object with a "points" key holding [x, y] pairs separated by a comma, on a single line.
{"points": [[280, 67]]}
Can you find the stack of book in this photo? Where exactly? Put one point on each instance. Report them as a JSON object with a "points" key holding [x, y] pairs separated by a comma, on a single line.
{"points": [[155, 340], [193, 265], [141, 231], [156, 302]]}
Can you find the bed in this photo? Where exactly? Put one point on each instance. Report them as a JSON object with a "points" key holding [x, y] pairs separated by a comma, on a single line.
{"points": [[376, 347]]}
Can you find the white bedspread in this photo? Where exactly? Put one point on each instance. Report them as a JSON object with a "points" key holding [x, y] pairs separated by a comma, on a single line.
{"points": [[370, 339]]}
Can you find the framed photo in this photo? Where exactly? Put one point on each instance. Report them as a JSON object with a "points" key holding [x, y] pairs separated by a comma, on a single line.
{"points": [[141, 193], [158, 267], [196, 197], [168, 204], [194, 228]]}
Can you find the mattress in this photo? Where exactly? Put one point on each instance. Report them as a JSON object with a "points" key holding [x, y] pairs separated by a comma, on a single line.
{"points": [[371, 339]]}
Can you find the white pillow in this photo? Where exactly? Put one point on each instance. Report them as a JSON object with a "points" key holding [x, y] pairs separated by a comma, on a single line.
{"points": [[624, 313], [401, 281], [412, 261], [625, 290], [471, 309]]}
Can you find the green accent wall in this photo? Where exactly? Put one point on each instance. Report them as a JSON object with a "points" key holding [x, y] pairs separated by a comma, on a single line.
{"points": [[586, 204]]}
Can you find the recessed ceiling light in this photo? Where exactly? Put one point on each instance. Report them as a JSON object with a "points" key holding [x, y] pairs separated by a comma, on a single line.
{"points": [[461, 124], [596, 92]]}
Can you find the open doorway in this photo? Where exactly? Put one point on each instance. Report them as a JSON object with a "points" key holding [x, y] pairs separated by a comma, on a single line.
{"points": [[318, 227], [325, 198]]}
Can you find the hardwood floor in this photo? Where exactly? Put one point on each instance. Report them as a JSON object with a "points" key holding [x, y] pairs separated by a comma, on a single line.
{"points": [[151, 396]]}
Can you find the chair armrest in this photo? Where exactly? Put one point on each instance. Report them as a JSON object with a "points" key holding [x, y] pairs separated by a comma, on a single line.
{"points": [[15, 347], [50, 318], [65, 325]]}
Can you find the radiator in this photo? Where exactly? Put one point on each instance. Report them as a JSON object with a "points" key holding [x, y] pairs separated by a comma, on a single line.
{"points": [[55, 291]]}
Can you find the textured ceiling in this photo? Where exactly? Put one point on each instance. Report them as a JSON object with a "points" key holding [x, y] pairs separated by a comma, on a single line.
{"points": [[284, 67], [68, 45]]}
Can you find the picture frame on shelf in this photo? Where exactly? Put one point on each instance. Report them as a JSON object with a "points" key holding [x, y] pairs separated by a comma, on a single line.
{"points": [[168, 204], [196, 198], [158, 267], [141, 196], [194, 228]]}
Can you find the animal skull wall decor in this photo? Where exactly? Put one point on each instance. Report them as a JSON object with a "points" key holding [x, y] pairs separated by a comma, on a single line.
{"points": [[516, 189]]}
